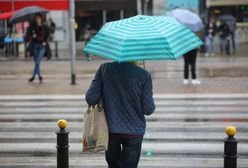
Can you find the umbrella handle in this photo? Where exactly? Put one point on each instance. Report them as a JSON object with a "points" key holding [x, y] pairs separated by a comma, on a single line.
{"points": [[143, 64]]}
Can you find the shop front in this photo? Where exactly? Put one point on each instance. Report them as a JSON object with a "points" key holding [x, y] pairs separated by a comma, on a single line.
{"points": [[238, 9], [92, 14]]}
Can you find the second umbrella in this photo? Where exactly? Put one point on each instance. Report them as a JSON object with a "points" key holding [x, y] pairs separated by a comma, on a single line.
{"points": [[187, 18], [26, 14]]}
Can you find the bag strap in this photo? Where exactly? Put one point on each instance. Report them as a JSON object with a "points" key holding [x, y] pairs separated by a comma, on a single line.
{"points": [[103, 70]]}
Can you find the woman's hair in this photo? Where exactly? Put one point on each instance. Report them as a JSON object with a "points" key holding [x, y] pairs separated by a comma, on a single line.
{"points": [[40, 16]]}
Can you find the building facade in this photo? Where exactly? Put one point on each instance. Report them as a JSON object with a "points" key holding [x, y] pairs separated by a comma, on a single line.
{"points": [[90, 15], [236, 8]]}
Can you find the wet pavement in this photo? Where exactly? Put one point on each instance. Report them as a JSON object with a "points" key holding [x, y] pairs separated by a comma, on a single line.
{"points": [[186, 130], [221, 74]]}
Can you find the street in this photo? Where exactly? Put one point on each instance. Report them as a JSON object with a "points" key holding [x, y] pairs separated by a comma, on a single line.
{"points": [[186, 130], [195, 52], [219, 74]]}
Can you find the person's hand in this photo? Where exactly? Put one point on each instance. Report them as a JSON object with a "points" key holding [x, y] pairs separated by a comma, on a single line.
{"points": [[44, 43], [34, 36]]}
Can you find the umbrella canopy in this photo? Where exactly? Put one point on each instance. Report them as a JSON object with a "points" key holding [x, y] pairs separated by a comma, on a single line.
{"points": [[26, 14], [143, 38], [188, 18], [227, 18]]}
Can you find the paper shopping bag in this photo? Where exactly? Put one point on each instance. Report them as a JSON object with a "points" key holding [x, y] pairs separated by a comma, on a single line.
{"points": [[95, 135]]}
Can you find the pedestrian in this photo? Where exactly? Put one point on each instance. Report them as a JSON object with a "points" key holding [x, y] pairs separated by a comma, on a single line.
{"points": [[52, 27], [39, 35], [211, 30], [232, 26], [87, 36], [190, 61], [224, 32], [126, 90]]}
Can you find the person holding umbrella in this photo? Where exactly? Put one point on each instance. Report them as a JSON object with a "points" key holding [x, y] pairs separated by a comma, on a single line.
{"points": [[190, 60], [125, 88], [231, 22], [39, 34], [224, 32], [211, 30], [127, 97], [195, 24]]}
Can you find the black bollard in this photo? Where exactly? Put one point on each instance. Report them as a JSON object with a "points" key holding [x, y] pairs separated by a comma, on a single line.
{"points": [[230, 148], [25, 50], [56, 49], [62, 145]]}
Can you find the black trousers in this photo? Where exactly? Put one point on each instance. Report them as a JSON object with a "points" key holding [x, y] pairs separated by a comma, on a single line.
{"points": [[123, 153], [190, 60]]}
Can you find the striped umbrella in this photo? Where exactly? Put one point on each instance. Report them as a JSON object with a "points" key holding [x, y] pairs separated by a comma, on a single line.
{"points": [[143, 38]]}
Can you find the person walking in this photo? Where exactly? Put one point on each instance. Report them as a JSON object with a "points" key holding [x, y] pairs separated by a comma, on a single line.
{"points": [[211, 30], [51, 27], [87, 36], [190, 61], [224, 32], [126, 91], [39, 34], [232, 26]]}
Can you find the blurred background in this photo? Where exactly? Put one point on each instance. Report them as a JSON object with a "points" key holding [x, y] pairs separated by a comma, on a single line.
{"points": [[188, 126], [90, 15]]}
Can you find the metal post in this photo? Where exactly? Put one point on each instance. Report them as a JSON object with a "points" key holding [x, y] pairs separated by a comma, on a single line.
{"points": [[104, 17], [230, 148], [25, 50], [62, 145], [121, 14], [145, 13], [145, 6], [139, 7], [14, 31], [13, 5], [5, 27], [56, 49], [72, 47]]}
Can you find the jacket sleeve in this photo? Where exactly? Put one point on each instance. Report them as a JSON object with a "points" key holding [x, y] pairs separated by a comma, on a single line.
{"points": [[94, 93], [148, 104]]}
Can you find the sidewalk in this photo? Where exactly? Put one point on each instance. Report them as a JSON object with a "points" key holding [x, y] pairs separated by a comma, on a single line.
{"points": [[219, 74]]}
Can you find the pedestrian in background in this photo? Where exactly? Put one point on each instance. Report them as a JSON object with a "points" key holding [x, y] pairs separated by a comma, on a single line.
{"points": [[126, 91], [86, 37], [211, 30], [224, 32], [232, 26], [52, 27], [190, 61], [39, 35]]}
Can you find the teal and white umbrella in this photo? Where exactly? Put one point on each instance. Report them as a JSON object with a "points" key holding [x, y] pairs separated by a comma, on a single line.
{"points": [[143, 38]]}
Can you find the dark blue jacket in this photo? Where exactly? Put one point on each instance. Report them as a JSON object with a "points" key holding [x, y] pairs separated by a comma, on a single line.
{"points": [[126, 90]]}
